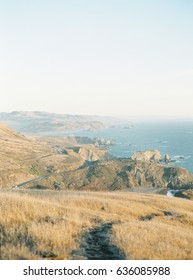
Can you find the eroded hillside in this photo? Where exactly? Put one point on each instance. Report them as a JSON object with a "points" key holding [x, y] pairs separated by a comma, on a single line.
{"points": [[128, 174]]}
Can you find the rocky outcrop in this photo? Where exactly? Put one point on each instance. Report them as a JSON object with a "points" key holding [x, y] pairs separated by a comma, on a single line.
{"points": [[147, 156], [102, 142], [86, 154], [167, 158]]}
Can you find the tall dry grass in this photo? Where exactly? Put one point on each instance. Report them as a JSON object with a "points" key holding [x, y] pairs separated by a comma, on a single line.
{"points": [[49, 224]]}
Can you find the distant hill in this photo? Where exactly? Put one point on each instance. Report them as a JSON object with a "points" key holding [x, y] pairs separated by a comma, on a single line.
{"points": [[48, 123]]}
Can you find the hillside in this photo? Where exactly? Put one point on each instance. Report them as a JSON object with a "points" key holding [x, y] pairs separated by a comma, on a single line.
{"points": [[7, 133], [64, 225], [48, 123], [128, 175], [44, 215], [24, 158]]}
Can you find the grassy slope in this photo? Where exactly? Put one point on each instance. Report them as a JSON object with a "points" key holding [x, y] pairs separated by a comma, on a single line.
{"points": [[39, 224]]}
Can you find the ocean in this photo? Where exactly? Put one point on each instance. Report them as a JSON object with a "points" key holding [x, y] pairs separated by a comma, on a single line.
{"points": [[174, 139]]}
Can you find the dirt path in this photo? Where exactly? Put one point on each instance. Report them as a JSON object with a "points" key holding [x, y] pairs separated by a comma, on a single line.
{"points": [[96, 245]]}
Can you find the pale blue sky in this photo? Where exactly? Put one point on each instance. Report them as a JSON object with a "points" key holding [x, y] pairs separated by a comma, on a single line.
{"points": [[118, 57]]}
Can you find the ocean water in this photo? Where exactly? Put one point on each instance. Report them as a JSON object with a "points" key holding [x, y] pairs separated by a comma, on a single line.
{"points": [[175, 139]]}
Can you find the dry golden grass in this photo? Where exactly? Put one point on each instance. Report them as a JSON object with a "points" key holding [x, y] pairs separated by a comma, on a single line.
{"points": [[49, 224]]}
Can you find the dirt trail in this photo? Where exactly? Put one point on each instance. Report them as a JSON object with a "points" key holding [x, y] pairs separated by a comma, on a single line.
{"points": [[96, 245]]}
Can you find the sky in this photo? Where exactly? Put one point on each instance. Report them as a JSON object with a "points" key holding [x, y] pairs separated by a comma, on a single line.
{"points": [[121, 58]]}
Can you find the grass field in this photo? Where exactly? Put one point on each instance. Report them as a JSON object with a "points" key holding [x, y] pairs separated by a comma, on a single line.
{"points": [[49, 224]]}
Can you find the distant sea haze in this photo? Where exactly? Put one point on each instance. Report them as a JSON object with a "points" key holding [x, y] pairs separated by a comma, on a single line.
{"points": [[175, 139]]}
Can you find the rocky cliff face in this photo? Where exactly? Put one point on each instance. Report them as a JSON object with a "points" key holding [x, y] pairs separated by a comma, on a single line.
{"points": [[128, 174]]}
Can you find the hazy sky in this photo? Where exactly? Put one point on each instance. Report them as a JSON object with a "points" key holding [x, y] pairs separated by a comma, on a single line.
{"points": [[105, 57]]}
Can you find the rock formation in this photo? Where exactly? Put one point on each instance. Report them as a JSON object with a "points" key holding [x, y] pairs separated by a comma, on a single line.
{"points": [[167, 158], [147, 156], [86, 154], [101, 142]]}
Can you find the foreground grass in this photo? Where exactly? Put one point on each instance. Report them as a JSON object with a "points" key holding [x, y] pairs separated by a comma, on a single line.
{"points": [[49, 224]]}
